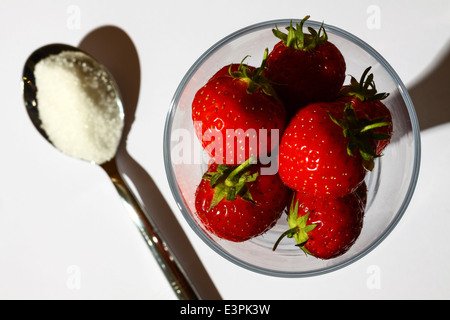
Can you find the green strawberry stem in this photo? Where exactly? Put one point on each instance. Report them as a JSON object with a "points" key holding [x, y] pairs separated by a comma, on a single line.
{"points": [[230, 182], [288, 233], [360, 133], [365, 89], [235, 175], [254, 78], [298, 40], [299, 228]]}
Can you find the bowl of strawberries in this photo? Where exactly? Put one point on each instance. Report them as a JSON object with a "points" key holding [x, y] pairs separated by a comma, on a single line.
{"points": [[292, 148]]}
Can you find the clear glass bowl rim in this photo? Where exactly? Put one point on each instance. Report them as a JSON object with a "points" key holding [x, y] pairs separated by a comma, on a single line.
{"points": [[264, 25]]}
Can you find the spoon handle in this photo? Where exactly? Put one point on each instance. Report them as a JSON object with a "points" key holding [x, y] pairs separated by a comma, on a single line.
{"points": [[171, 269]]}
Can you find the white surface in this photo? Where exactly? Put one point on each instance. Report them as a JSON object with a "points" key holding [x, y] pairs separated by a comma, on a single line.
{"points": [[64, 233]]}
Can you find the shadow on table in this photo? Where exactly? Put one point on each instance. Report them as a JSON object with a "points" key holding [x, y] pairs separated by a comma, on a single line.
{"points": [[430, 94], [113, 48]]}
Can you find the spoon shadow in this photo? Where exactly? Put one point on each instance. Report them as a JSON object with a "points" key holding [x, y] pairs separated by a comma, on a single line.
{"points": [[115, 50], [429, 94]]}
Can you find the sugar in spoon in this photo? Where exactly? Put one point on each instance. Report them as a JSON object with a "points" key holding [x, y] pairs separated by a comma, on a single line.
{"points": [[106, 159]]}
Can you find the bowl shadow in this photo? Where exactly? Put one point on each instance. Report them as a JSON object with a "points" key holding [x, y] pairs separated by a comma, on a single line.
{"points": [[116, 51], [429, 94]]}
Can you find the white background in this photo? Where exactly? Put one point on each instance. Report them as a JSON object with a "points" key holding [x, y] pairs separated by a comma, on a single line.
{"points": [[64, 233]]}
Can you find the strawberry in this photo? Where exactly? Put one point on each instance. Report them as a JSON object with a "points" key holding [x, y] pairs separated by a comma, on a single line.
{"points": [[237, 115], [367, 102], [313, 154], [238, 203], [326, 150], [305, 68], [325, 227]]}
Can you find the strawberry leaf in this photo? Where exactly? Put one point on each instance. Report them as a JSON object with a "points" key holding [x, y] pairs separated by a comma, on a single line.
{"points": [[255, 80], [359, 132], [298, 40], [365, 89], [299, 227], [230, 182], [219, 194], [374, 126]]}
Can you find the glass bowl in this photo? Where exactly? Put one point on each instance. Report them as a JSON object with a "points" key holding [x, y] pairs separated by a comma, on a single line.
{"points": [[390, 185]]}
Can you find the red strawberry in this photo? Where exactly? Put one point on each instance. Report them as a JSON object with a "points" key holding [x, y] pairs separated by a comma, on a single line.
{"points": [[367, 103], [313, 155], [236, 114], [305, 68], [239, 203], [325, 228]]}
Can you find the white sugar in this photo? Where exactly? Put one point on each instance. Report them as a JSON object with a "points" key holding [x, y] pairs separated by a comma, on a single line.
{"points": [[78, 106]]}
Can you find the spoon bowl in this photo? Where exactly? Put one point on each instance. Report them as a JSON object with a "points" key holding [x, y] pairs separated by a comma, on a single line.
{"points": [[171, 268], [29, 82]]}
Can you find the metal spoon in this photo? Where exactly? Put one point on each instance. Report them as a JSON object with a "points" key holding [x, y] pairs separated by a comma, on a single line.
{"points": [[168, 263]]}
